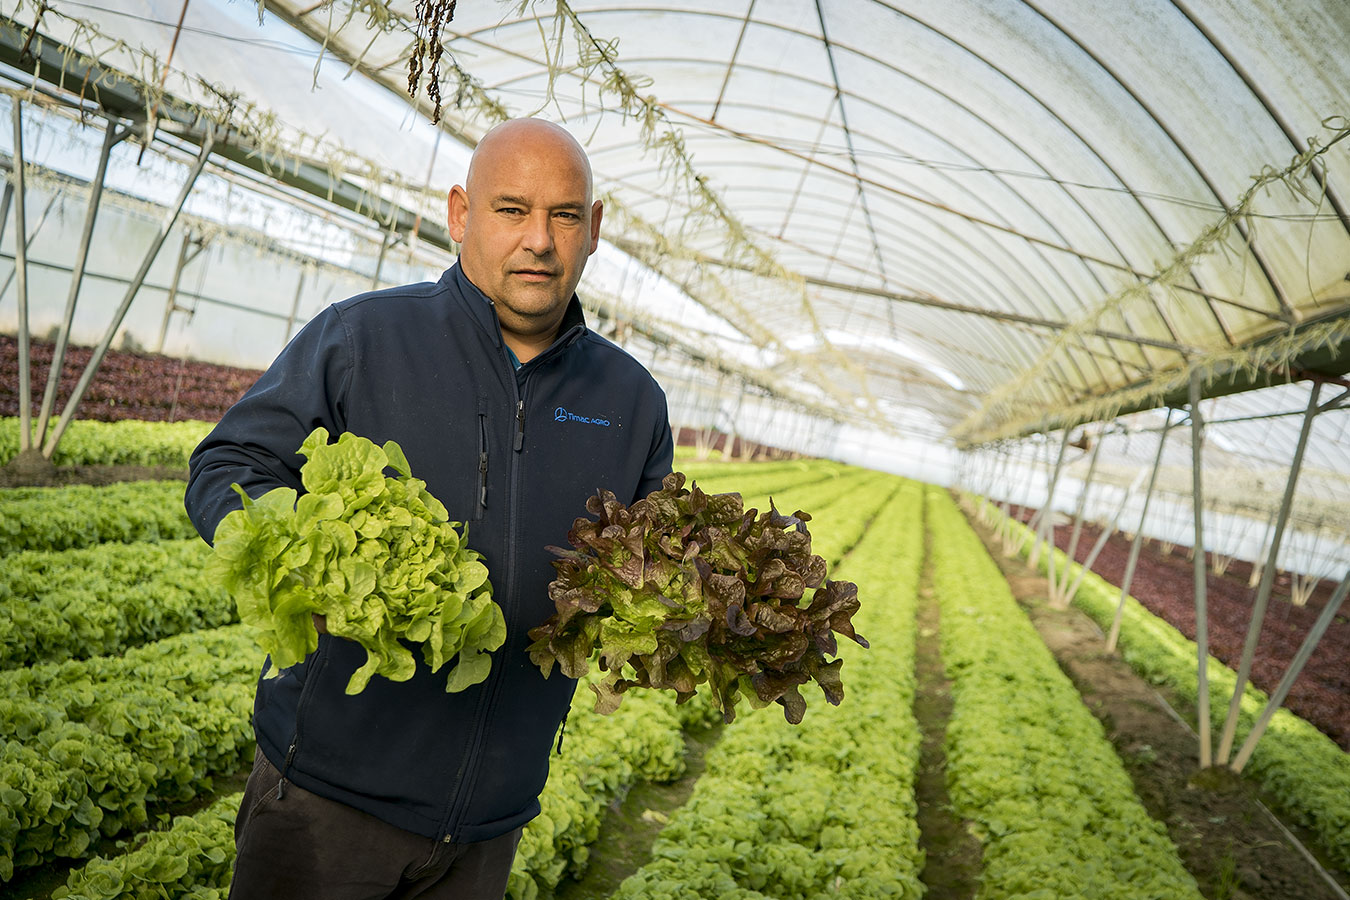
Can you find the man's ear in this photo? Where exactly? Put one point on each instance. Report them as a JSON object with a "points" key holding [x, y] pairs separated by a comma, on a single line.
{"points": [[597, 212], [457, 213]]}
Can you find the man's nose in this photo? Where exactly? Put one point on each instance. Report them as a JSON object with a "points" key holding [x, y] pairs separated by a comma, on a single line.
{"points": [[538, 238]]}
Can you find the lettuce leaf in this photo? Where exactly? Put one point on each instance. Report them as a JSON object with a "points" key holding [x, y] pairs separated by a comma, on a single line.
{"points": [[377, 555]]}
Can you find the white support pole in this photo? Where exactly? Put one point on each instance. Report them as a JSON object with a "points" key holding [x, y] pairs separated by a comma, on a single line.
{"points": [[1102, 538], [1034, 520], [1114, 635], [1045, 527], [21, 281], [32, 236], [1258, 564], [111, 136], [1057, 591], [1267, 579], [386, 242], [97, 357], [5, 200], [295, 301], [1201, 584], [186, 254], [1005, 472], [1310, 642]]}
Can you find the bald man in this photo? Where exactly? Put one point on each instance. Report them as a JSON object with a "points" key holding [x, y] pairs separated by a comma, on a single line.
{"points": [[514, 413]]}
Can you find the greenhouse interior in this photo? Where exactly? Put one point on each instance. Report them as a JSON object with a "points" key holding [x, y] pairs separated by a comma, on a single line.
{"points": [[1034, 314]]}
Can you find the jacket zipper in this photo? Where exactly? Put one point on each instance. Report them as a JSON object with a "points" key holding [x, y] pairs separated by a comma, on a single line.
{"points": [[464, 789], [319, 662]]}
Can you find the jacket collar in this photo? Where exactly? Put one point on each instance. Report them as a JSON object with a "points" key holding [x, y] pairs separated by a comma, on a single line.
{"points": [[484, 311]]}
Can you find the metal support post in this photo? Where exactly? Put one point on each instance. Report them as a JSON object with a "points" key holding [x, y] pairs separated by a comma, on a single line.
{"points": [[1057, 591], [388, 241], [97, 357], [1310, 642], [111, 136], [21, 278], [1201, 611], [185, 256], [32, 236], [1102, 538], [1267, 579], [5, 200], [1135, 545], [295, 304], [1045, 528]]}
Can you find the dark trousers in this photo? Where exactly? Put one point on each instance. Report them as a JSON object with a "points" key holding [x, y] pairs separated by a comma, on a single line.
{"points": [[300, 846]]}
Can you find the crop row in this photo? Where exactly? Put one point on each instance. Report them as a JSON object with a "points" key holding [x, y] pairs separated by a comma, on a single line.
{"points": [[1028, 763], [1302, 768], [63, 604], [603, 758], [62, 518], [87, 442], [88, 744], [192, 858], [825, 807]]}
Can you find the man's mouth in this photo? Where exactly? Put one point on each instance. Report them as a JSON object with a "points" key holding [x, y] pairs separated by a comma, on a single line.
{"points": [[535, 274]]}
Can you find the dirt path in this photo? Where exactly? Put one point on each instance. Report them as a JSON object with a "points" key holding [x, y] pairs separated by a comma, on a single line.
{"points": [[1224, 836], [632, 823], [951, 868]]}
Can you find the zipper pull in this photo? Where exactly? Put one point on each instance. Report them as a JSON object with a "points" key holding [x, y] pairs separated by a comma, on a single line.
{"points": [[482, 480], [285, 767], [520, 424], [561, 729]]}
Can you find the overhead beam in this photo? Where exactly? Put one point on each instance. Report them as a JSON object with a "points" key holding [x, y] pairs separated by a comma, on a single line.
{"points": [[1324, 363], [117, 95], [938, 304]]}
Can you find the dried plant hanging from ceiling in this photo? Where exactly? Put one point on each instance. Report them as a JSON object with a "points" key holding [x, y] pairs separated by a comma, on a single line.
{"points": [[432, 16]]}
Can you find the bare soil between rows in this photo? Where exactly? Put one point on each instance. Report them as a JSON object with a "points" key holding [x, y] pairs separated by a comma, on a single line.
{"points": [[59, 476], [1224, 834]]}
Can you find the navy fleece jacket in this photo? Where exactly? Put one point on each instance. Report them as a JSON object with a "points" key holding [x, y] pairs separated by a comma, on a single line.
{"points": [[515, 455]]}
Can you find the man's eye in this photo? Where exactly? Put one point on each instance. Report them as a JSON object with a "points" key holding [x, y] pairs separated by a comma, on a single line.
{"points": [[570, 216], [510, 210]]}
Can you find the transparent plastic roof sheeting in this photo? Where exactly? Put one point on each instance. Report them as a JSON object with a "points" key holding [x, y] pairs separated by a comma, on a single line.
{"points": [[965, 222]]}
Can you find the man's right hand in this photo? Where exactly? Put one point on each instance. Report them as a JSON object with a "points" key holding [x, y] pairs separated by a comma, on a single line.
{"points": [[320, 622]]}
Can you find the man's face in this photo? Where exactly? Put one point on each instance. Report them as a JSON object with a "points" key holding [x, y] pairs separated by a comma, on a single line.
{"points": [[525, 225]]}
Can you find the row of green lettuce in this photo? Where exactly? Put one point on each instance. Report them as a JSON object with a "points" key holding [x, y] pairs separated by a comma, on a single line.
{"points": [[606, 755], [1027, 763], [825, 808], [94, 601], [63, 518], [1302, 769], [87, 442], [90, 745]]}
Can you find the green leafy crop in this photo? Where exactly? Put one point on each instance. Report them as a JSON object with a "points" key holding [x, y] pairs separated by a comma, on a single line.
{"points": [[685, 588], [376, 555]]}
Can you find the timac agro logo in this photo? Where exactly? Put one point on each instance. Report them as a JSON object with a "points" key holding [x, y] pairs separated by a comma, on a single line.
{"points": [[562, 415]]}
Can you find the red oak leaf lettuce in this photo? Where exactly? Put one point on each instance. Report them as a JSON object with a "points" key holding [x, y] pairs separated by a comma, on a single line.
{"points": [[683, 589]]}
